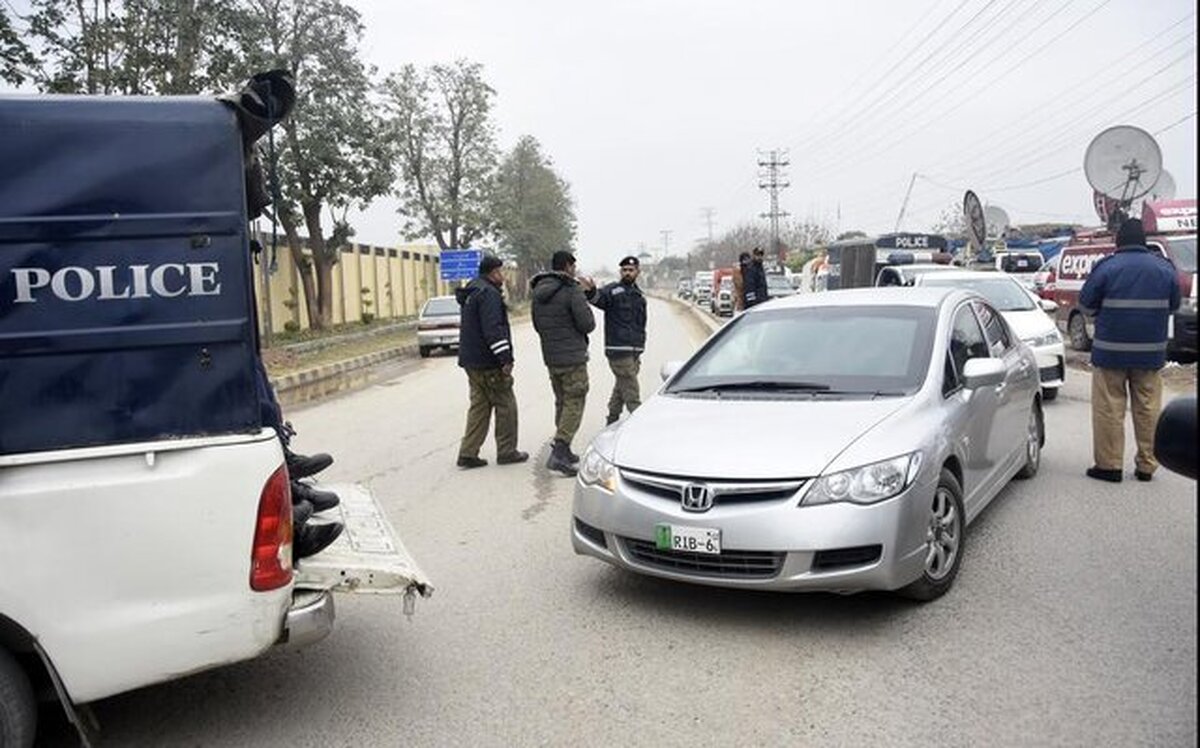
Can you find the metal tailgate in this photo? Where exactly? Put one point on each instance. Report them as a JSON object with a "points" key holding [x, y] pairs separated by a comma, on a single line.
{"points": [[367, 557]]}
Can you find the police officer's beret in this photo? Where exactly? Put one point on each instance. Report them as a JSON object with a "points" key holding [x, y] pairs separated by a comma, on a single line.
{"points": [[628, 261]]}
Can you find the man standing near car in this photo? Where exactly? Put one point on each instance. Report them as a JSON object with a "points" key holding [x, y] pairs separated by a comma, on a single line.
{"points": [[756, 280], [485, 352], [1132, 294], [624, 308], [563, 319]]}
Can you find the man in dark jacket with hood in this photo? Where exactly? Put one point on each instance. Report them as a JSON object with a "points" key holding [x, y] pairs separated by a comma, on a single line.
{"points": [[624, 335], [563, 319], [1131, 293], [485, 351]]}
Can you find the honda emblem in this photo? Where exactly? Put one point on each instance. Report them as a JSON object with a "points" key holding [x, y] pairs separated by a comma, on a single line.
{"points": [[695, 497]]}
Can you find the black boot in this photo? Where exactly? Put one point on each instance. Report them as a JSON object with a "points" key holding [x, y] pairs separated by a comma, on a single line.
{"points": [[611, 419], [320, 500], [301, 511], [311, 539], [560, 460], [303, 466], [512, 458], [574, 458]]}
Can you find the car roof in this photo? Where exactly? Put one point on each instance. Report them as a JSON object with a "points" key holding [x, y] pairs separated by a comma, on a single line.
{"points": [[929, 297], [975, 275]]}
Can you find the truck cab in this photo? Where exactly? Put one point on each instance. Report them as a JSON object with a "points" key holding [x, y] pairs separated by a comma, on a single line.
{"points": [[145, 509]]}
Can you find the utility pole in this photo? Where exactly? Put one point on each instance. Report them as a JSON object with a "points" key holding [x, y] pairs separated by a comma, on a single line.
{"points": [[666, 239], [773, 178], [904, 205], [708, 214]]}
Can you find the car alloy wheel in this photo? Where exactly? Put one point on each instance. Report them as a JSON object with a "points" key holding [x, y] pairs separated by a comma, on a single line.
{"points": [[1033, 443], [942, 535]]}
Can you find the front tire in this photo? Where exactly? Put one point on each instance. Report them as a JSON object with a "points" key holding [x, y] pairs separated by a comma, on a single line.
{"points": [[1050, 393], [943, 541], [1035, 437], [18, 710]]}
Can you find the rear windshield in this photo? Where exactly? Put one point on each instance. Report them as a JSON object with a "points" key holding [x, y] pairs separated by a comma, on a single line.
{"points": [[1183, 251], [1006, 294], [1020, 263], [440, 307]]}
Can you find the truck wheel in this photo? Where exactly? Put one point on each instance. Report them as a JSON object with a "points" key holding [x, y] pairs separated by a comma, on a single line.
{"points": [[18, 710], [1077, 332]]}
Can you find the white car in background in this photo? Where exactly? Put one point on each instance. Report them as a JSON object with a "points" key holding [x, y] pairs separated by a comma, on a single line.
{"points": [[437, 326], [1029, 317]]}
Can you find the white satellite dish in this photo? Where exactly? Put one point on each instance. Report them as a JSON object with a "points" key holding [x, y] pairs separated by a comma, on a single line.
{"points": [[996, 219], [1164, 188], [1123, 163]]}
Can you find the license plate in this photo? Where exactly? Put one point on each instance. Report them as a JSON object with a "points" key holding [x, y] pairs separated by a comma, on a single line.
{"points": [[687, 539]]}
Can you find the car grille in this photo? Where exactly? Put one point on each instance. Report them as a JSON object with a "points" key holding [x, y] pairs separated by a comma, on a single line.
{"points": [[729, 563], [670, 488]]}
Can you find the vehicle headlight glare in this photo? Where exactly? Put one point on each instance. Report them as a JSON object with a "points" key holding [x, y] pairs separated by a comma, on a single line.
{"points": [[867, 484], [594, 470], [1049, 338]]}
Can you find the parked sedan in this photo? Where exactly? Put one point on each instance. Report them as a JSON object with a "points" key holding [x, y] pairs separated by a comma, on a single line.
{"points": [[437, 326], [860, 432], [1026, 314]]}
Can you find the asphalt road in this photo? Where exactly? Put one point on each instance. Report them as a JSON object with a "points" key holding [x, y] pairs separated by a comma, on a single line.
{"points": [[1072, 622]]}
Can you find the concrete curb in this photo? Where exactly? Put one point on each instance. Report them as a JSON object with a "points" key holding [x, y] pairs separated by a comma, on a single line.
{"points": [[328, 379], [712, 323]]}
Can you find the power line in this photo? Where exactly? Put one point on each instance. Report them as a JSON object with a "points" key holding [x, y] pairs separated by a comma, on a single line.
{"points": [[773, 179]]}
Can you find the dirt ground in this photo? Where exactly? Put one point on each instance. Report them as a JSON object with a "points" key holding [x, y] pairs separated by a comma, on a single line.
{"points": [[281, 361]]}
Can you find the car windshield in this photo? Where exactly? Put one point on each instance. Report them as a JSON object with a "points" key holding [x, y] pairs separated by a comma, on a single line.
{"points": [[440, 307], [1006, 294], [837, 349], [1184, 253]]}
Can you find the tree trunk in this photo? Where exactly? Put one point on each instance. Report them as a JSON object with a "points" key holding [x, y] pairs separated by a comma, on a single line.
{"points": [[305, 270], [323, 261]]}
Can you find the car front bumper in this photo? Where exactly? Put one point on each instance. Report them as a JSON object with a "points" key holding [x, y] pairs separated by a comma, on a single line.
{"points": [[772, 545], [1052, 364]]}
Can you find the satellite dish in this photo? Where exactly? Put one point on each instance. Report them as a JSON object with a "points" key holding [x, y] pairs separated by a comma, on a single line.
{"points": [[976, 223], [1164, 188], [1123, 163], [996, 219]]}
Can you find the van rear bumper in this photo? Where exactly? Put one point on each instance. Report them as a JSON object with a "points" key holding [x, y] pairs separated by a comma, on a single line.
{"points": [[309, 620]]}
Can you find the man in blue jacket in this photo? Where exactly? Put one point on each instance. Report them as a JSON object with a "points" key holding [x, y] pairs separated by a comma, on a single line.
{"points": [[485, 351], [624, 335], [1132, 294]]}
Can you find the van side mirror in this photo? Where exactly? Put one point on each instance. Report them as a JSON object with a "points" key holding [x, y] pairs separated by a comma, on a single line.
{"points": [[1175, 437], [983, 372], [1048, 305], [670, 369]]}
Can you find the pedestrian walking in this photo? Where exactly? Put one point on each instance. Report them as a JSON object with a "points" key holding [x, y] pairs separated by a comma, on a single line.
{"points": [[624, 308], [1132, 294], [563, 319], [485, 351]]}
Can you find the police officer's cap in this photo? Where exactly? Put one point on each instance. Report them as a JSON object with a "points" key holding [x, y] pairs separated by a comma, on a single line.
{"points": [[629, 261], [489, 263]]}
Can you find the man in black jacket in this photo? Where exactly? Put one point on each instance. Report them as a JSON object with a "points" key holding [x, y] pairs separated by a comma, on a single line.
{"points": [[563, 319], [485, 351], [756, 282], [624, 335]]}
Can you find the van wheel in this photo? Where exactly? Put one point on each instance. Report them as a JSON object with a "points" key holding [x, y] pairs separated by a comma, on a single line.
{"points": [[1077, 332], [945, 529], [18, 710]]}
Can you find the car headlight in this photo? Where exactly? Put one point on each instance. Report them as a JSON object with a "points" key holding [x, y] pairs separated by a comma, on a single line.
{"points": [[1049, 338], [594, 470], [867, 484]]}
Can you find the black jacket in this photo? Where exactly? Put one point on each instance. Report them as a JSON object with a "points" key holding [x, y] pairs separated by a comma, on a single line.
{"points": [[562, 318], [754, 284], [624, 318], [484, 337]]}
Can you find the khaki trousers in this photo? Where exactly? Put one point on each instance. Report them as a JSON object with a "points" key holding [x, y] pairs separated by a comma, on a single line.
{"points": [[491, 389], [570, 385], [625, 392], [1108, 415]]}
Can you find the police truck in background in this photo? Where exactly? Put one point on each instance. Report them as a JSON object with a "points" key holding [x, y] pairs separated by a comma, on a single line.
{"points": [[145, 508]]}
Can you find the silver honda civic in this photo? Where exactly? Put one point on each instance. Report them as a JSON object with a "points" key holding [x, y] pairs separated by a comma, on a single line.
{"points": [[837, 441]]}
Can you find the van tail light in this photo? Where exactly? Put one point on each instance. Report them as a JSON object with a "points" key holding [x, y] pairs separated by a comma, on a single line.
{"points": [[271, 556]]}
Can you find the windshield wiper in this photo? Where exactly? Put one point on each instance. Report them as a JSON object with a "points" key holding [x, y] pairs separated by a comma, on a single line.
{"points": [[757, 384]]}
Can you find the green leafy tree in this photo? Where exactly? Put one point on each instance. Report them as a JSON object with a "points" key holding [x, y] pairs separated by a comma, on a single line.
{"points": [[16, 61], [533, 208], [332, 152], [441, 126]]}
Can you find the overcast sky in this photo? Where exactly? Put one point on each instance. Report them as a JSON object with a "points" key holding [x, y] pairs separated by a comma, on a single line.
{"points": [[655, 109]]}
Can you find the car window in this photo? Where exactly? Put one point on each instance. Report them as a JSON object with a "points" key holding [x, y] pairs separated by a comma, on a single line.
{"points": [[1182, 253], [844, 348], [995, 328], [966, 342]]}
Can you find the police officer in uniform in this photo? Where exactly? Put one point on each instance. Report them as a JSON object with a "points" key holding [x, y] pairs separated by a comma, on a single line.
{"points": [[1131, 294], [624, 308], [485, 351]]}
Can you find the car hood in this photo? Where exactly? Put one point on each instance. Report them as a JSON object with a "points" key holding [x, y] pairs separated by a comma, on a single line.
{"points": [[1029, 324], [746, 439]]}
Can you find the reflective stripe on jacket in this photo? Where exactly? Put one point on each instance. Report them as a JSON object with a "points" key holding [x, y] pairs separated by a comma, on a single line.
{"points": [[1131, 294]]}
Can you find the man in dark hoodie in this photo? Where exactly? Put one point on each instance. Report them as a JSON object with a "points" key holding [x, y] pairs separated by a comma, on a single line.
{"points": [[485, 351], [563, 319]]}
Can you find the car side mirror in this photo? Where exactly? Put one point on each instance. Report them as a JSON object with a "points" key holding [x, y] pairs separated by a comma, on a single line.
{"points": [[1175, 437], [1048, 305], [983, 372], [670, 369]]}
